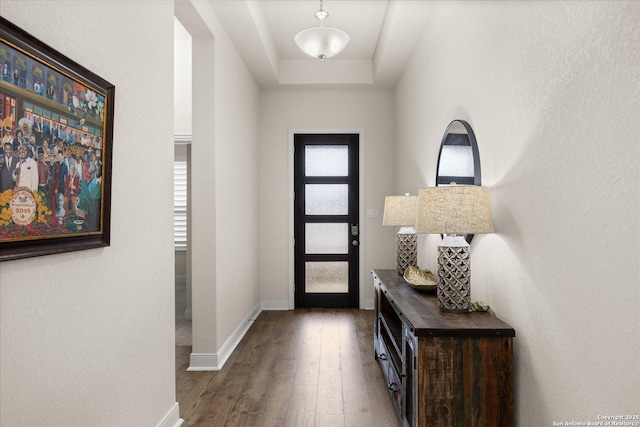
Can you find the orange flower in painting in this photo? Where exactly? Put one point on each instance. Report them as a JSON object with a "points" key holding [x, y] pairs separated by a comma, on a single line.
{"points": [[43, 212], [5, 197], [5, 216]]}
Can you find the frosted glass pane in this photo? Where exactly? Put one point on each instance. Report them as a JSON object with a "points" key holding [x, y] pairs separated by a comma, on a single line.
{"points": [[326, 199], [326, 238], [322, 277], [326, 160], [456, 160]]}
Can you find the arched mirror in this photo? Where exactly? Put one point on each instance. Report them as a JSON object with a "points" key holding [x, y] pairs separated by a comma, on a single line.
{"points": [[459, 160]]}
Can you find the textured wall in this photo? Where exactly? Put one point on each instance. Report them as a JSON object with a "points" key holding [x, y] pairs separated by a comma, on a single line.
{"points": [[552, 91], [87, 337], [237, 188]]}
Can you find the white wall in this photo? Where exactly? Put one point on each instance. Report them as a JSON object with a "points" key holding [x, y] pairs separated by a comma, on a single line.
{"points": [[371, 110], [88, 337], [224, 175], [552, 91], [182, 80], [237, 189]]}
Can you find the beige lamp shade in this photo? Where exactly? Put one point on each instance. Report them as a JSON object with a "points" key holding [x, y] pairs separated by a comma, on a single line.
{"points": [[455, 209], [400, 211]]}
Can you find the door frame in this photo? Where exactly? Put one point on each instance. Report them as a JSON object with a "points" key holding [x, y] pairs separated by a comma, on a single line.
{"points": [[362, 238]]}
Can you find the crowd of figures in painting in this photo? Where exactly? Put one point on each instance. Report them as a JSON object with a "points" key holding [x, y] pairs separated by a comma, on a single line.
{"points": [[51, 132]]}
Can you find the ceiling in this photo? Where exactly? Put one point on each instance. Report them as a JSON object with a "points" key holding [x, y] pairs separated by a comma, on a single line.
{"points": [[382, 35]]}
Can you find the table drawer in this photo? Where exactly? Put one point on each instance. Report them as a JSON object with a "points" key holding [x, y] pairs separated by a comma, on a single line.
{"points": [[392, 377]]}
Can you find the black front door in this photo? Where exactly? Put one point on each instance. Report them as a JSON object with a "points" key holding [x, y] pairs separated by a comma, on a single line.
{"points": [[326, 220]]}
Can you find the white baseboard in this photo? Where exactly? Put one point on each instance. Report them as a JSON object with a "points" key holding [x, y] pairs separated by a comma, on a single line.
{"points": [[172, 419], [203, 362], [215, 361], [284, 305], [275, 305]]}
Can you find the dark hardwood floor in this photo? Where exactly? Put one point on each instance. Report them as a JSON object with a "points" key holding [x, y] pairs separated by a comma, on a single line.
{"points": [[310, 367]]}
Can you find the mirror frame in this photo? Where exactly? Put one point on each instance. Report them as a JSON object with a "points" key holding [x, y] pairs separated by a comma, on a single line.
{"points": [[477, 175]]}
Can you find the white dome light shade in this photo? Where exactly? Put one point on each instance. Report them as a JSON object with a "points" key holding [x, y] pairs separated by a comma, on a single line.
{"points": [[322, 42]]}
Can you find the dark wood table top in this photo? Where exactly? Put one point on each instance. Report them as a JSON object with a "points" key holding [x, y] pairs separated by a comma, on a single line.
{"points": [[421, 311]]}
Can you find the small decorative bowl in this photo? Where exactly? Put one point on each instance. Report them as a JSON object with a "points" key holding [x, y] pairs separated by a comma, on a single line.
{"points": [[420, 280]]}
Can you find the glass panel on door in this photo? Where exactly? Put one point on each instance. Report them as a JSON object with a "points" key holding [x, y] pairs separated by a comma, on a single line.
{"points": [[332, 277], [326, 199], [326, 160], [326, 238]]}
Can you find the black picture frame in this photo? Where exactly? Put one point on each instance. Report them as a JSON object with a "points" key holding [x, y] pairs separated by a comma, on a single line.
{"points": [[52, 106]]}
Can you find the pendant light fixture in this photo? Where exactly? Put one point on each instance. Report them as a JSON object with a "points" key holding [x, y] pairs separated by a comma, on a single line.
{"points": [[321, 42]]}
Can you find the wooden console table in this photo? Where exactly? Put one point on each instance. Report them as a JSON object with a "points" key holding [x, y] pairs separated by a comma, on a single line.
{"points": [[442, 369]]}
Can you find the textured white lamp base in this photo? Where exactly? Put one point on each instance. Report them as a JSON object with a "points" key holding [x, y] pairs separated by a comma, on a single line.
{"points": [[454, 275], [407, 250]]}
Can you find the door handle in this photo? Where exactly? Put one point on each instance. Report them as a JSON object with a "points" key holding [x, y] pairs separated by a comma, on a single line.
{"points": [[354, 230]]}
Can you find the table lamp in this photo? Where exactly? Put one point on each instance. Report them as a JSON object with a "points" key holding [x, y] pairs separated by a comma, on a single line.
{"points": [[401, 211], [454, 211]]}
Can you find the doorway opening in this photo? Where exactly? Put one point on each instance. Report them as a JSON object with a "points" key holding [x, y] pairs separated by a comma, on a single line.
{"points": [[182, 162]]}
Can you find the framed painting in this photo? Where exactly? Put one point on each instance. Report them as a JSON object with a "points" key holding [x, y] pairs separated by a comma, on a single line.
{"points": [[56, 127]]}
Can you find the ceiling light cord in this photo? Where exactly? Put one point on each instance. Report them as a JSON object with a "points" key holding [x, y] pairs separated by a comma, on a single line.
{"points": [[321, 15]]}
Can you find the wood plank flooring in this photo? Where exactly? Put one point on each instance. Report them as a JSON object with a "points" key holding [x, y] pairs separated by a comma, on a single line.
{"points": [[309, 367]]}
